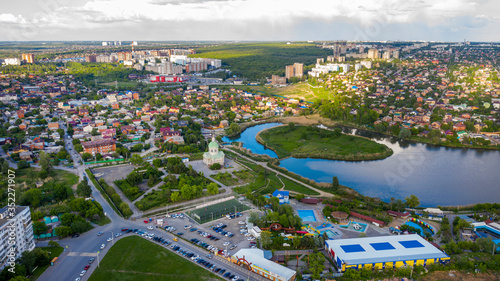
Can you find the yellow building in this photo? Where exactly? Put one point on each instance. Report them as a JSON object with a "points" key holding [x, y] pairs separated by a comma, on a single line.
{"points": [[383, 252]]}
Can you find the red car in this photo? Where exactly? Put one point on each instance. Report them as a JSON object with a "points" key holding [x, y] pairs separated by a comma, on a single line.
{"points": [[146, 221], [87, 267]]}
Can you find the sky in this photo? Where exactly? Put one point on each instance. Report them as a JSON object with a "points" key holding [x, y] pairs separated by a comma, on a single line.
{"points": [[249, 20]]}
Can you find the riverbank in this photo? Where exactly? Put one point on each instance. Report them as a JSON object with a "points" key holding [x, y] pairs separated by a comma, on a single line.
{"points": [[312, 142]]}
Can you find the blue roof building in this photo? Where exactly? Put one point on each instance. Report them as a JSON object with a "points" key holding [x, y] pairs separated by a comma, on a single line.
{"points": [[283, 196]]}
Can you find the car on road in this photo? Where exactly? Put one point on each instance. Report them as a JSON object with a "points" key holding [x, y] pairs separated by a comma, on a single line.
{"points": [[241, 222], [110, 239], [78, 279], [175, 239], [83, 272], [187, 226], [233, 247], [150, 227], [75, 235], [100, 233], [86, 267], [146, 221], [235, 278], [102, 246], [91, 260]]}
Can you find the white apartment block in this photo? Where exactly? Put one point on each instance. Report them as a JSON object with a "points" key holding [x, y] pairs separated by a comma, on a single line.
{"points": [[18, 228]]}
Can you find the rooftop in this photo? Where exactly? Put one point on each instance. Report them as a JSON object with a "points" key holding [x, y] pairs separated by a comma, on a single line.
{"points": [[257, 258], [384, 249]]}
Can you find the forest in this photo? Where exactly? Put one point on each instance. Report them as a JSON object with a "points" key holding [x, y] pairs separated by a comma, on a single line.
{"points": [[259, 60]]}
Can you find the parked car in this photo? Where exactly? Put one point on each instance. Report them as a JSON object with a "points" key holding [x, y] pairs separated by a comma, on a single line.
{"points": [[102, 246], [91, 260], [83, 272], [86, 267]]}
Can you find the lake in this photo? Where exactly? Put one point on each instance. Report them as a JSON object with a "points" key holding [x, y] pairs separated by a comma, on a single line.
{"points": [[436, 175]]}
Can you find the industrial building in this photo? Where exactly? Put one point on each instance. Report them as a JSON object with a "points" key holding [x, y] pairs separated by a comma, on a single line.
{"points": [[259, 262], [383, 252]]}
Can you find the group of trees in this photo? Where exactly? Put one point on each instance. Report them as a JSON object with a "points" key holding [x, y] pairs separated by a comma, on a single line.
{"points": [[72, 223], [27, 263]]}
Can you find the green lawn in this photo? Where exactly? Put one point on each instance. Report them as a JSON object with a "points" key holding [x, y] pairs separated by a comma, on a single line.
{"points": [[53, 252], [135, 258], [267, 182], [306, 141], [225, 178]]}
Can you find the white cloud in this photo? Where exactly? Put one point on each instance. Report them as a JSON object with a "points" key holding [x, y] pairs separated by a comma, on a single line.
{"points": [[10, 18]]}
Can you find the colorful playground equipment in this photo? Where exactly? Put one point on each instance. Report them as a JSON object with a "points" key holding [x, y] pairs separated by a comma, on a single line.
{"points": [[423, 224]]}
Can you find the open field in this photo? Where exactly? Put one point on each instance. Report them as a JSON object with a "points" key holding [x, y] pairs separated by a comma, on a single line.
{"points": [[312, 142], [134, 258]]}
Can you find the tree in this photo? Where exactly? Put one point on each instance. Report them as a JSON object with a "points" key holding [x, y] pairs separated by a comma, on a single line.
{"points": [[28, 259], [175, 196], [86, 156], [265, 238], [316, 264], [291, 126], [78, 148], [157, 162], [83, 189], [136, 159], [64, 231], [412, 201], [335, 183], [404, 134], [32, 197], [39, 228], [45, 162], [42, 257], [60, 192], [213, 188], [215, 166], [23, 164]]}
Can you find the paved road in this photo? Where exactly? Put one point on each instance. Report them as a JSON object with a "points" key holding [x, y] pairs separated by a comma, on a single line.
{"points": [[79, 250]]}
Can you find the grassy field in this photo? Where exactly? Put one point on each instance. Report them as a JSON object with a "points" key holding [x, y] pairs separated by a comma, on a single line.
{"points": [[203, 215], [264, 181], [134, 258], [311, 142]]}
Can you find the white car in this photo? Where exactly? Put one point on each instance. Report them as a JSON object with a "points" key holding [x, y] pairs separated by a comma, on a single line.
{"points": [[150, 227], [110, 239], [83, 272], [251, 238], [241, 222], [226, 243], [247, 234], [236, 278], [102, 246]]}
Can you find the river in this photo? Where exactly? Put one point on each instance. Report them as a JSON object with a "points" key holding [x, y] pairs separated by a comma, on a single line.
{"points": [[436, 175]]}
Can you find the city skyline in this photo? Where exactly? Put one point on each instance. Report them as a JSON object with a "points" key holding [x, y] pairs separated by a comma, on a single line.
{"points": [[148, 20]]}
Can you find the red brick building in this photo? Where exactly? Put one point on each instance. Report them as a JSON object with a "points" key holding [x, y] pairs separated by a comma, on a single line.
{"points": [[99, 146]]}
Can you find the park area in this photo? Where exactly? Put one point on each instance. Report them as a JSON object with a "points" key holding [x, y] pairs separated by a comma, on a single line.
{"points": [[307, 141], [135, 258], [216, 211]]}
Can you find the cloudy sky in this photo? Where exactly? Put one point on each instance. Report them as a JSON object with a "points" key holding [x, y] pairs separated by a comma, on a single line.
{"points": [[139, 20]]}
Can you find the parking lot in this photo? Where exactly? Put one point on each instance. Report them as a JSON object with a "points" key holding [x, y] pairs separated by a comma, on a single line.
{"points": [[192, 230]]}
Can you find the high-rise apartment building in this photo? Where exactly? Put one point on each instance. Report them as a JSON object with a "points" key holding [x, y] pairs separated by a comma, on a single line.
{"points": [[289, 73], [295, 70], [373, 54], [28, 58], [15, 225], [90, 58]]}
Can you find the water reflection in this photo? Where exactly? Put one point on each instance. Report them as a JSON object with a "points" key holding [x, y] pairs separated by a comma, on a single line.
{"points": [[437, 175]]}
